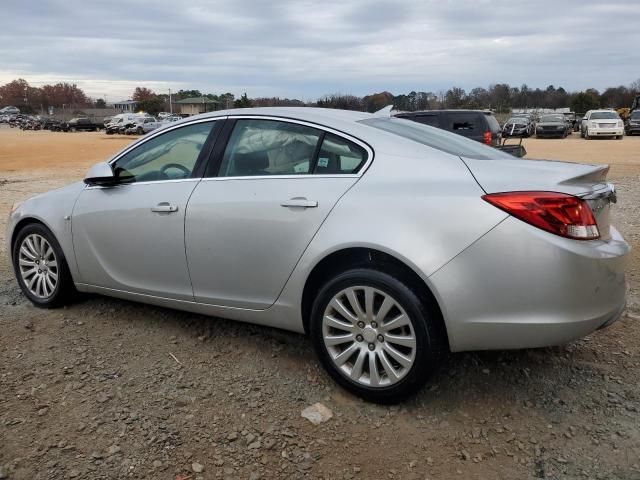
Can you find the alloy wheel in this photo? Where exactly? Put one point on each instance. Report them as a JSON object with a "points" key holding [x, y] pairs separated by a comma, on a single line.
{"points": [[369, 336], [38, 266]]}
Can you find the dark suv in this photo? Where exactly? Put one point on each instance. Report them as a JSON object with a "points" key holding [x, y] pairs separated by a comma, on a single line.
{"points": [[632, 125], [478, 125]]}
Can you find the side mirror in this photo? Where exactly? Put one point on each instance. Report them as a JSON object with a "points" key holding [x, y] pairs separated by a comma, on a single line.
{"points": [[100, 174]]}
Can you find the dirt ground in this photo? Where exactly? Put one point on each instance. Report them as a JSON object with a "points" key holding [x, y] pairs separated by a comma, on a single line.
{"points": [[108, 389]]}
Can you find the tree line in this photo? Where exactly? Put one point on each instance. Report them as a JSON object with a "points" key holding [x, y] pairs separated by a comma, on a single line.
{"points": [[500, 97]]}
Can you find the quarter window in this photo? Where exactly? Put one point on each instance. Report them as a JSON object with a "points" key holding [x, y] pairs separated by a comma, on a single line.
{"points": [[170, 156], [338, 155], [269, 147]]}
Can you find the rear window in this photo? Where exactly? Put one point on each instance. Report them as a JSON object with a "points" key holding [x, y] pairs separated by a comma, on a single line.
{"points": [[603, 115], [464, 123], [494, 126], [436, 138]]}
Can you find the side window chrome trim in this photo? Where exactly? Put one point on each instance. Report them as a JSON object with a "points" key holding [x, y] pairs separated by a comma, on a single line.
{"points": [[151, 136], [133, 184], [317, 126], [282, 177]]}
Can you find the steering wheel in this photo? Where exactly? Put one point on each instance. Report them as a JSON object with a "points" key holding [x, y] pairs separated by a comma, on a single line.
{"points": [[182, 168]]}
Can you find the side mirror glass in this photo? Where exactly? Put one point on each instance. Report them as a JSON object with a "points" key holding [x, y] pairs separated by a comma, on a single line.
{"points": [[100, 174]]}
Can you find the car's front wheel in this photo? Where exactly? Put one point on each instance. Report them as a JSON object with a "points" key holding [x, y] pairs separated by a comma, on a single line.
{"points": [[375, 336], [41, 268]]}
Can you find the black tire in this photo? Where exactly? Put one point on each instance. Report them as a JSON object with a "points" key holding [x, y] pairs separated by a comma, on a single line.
{"points": [[430, 340], [140, 131], [64, 288]]}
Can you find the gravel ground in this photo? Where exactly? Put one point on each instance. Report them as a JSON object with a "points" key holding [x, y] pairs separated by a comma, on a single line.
{"points": [[111, 389]]}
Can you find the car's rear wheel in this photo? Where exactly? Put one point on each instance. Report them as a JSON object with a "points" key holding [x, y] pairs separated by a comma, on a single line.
{"points": [[41, 268], [140, 131], [586, 134], [374, 335]]}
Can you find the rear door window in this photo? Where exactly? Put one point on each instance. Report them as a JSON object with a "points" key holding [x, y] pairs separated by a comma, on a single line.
{"points": [[269, 147]]}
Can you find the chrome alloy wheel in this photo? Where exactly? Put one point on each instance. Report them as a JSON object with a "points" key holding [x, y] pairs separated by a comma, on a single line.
{"points": [[38, 266], [369, 336]]}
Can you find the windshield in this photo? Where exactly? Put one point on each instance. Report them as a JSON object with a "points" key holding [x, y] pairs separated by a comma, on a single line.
{"points": [[436, 138], [517, 120], [603, 115], [635, 115], [551, 118]]}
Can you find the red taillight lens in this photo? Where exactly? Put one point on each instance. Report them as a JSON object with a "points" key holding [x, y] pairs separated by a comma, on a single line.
{"points": [[487, 137], [558, 213]]}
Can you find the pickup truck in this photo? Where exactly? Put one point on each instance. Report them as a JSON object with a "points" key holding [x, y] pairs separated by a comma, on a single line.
{"points": [[81, 124], [143, 125]]}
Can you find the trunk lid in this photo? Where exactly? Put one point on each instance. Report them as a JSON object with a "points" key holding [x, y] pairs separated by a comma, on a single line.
{"points": [[582, 180]]}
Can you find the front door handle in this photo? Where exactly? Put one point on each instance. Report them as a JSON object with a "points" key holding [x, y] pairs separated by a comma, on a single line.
{"points": [[299, 202], [164, 207]]}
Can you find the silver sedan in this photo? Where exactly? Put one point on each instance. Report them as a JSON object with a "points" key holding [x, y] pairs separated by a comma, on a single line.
{"points": [[388, 242]]}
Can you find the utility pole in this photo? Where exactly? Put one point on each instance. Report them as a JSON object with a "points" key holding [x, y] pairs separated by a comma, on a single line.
{"points": [[170, 103]]}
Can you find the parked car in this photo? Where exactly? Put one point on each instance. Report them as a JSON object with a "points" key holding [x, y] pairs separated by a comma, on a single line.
{"points": [[9, 110], [121, 122], [478, 125], [172, 118], [602, 123], [388, 242], [143, 125], [632, 125], [518, 127], [571, 120], [552, 125], [82, 124]]}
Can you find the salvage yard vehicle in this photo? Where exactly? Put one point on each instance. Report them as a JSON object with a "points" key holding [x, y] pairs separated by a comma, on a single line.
{"points": [[478, 125], [602, 123], [332, 223], [143, 125], [82, 124], [632, 125], [552, 125], [119, 123], [518, 127]]}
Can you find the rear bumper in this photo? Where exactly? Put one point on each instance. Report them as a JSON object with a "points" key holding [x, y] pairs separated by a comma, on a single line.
{"points": [[521, 287]]}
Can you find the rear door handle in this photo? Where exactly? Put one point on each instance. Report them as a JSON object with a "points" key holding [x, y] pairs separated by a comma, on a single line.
{"points": [[299, 202], [164, 207]]}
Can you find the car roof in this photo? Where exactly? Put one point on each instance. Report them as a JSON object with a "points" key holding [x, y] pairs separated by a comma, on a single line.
{"points": [[310, 114]]}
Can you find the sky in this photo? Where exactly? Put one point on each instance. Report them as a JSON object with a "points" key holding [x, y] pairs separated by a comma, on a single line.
{"points": [[306, 48]]}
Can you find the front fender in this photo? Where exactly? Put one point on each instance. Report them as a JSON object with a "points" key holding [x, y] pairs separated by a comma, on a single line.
{"points": [[53, 209]]}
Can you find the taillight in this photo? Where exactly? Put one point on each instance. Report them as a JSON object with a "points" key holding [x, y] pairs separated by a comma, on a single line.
{"points": [[558, 213], [486, 138]]}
